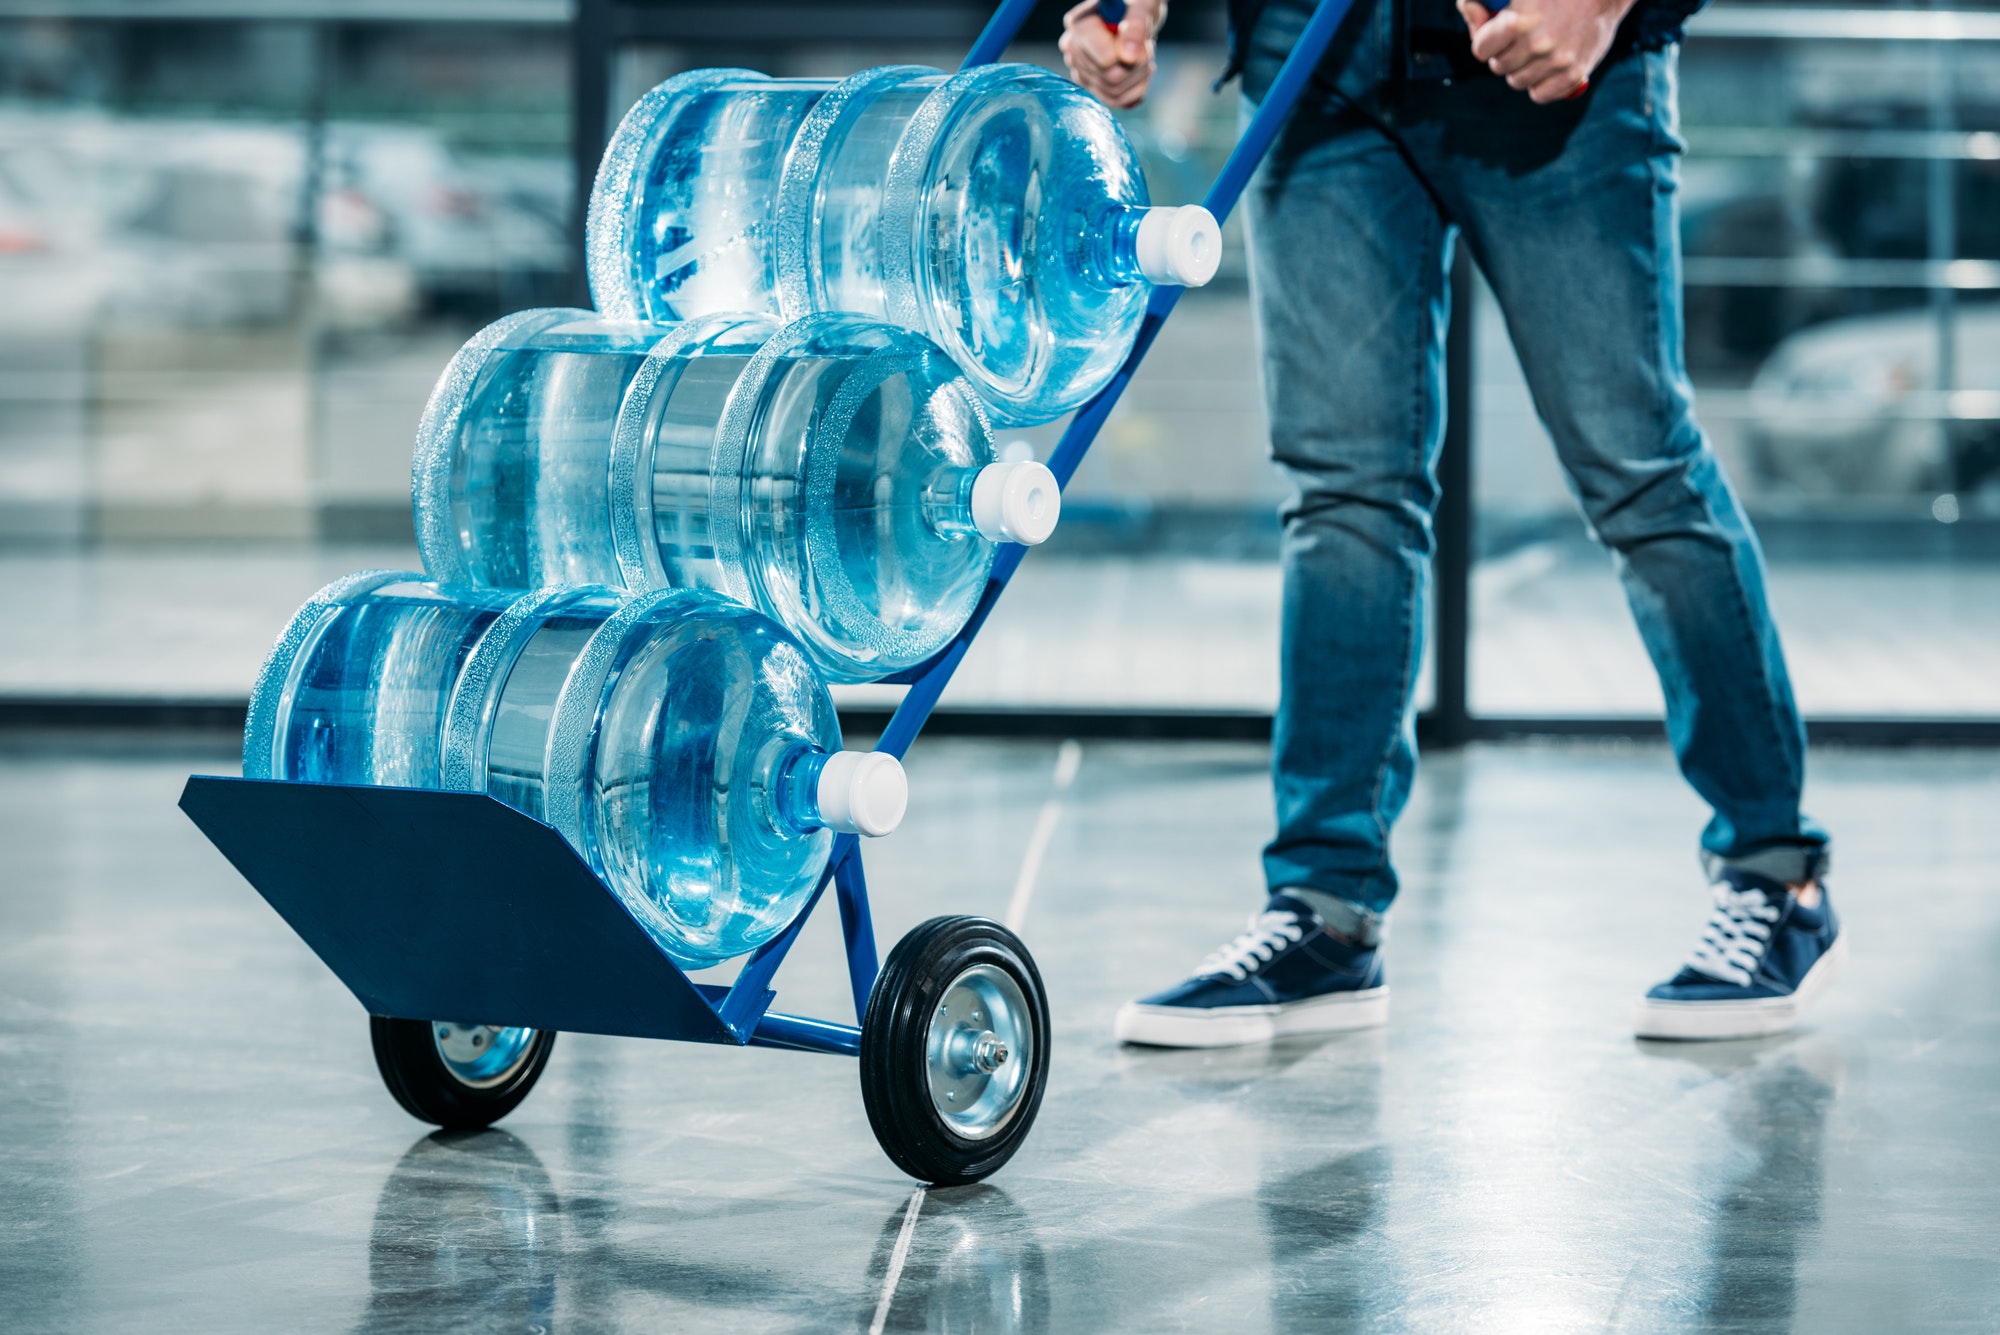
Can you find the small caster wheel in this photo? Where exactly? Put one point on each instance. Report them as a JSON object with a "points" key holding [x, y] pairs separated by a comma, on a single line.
{"points": [[955, 1050], [459, 1076]]}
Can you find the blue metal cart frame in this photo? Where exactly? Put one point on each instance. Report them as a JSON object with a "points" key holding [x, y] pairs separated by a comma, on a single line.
{"points": [[501, 919]]}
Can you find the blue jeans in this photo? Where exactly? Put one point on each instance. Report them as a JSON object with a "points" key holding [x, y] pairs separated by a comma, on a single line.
{"points": [[1570, 212]]}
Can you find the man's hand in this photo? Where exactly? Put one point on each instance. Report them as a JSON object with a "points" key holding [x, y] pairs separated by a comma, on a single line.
{"points": [[1547, 48], [1116, 66]]}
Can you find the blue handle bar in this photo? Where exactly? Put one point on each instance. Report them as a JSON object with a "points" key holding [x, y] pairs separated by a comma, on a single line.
{"points": [[997, 33], [1007, 21], [928, 680]]}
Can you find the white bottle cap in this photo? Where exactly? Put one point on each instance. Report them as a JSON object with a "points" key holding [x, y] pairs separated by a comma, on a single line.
{"points": [[1016, 502], [862, 792], [1179, 246]]}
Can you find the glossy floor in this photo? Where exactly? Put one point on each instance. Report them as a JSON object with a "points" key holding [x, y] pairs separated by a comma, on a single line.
{"points": [[196, 1139]]}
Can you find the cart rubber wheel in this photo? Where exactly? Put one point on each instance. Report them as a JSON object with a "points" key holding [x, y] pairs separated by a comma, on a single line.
{"points": [[459, 1076], [955, 1050]]}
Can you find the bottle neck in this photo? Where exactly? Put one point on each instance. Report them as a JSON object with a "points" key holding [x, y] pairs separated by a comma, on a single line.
{"points": [[806, 789], [793, 785], [948, 502], [1109, 254]]}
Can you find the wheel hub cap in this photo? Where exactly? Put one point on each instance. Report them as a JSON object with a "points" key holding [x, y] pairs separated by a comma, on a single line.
{"points": [[481, 1055], [979, 1051]]}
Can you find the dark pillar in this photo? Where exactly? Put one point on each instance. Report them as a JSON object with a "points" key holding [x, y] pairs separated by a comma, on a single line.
{"points": [[1451, 721], [590, 115]]}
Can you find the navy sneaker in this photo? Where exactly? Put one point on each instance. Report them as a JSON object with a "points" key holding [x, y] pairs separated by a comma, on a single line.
{"points": [[1763, 958], [1286, 974]]}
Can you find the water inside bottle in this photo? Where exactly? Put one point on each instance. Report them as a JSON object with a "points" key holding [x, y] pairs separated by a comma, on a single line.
{"points": [[703, 186], [660, 735], [817, 472], [986, 209]]}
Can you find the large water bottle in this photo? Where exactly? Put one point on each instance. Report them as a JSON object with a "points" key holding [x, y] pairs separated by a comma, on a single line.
{"points": [[1000, 210], [834, 473], [680, 742]]}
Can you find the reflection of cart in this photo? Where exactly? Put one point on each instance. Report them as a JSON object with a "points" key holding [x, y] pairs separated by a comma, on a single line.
{"points": [[453, 904]]}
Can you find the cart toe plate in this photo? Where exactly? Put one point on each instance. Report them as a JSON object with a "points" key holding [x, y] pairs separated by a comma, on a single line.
{"points": [[451, 906]]}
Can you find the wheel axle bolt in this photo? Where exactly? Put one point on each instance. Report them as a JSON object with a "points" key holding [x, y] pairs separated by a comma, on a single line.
{"points": [[989, 1052]]}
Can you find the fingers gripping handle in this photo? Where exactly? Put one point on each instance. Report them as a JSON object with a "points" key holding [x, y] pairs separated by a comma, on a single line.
{"points": [[1492, 8]]}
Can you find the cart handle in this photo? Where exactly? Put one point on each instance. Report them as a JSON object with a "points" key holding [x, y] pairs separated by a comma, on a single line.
{"points": [[747, 996], [927, 681], [998, 34]]}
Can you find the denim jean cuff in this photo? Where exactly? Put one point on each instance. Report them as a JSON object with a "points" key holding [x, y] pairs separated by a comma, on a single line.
{"points": [[1794, 864], [1342, 917]]}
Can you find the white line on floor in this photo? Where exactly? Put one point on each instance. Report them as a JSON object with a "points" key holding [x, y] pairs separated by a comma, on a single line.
{"points": [[1069, 758], [896, 1259]]}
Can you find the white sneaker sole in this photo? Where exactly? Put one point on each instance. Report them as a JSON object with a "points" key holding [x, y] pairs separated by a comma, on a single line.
{"points": [[1234, 1026], [1739, 1019]]}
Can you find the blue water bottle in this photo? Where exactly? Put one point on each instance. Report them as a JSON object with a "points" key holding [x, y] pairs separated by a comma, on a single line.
{"points": [[681, 743], [1000, 211], [835, 473]]}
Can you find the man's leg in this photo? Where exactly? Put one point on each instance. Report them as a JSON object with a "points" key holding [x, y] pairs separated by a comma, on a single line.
{"points": [[1348, 266], [1583, 254], [1570, 210], [1348, 261]]}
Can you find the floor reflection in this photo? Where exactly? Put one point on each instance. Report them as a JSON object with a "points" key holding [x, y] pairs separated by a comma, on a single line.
{"points": [[1322, 1217], [41, 1268], [1292, 1181], [1213, 1072], [973, 1265], [1317, 1220], [470, 1235], [467, 1236], [1769, 1212]]}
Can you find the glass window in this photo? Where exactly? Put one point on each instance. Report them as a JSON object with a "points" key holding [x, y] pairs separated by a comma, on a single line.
{"points": [[234, 257], [1842, 268]]}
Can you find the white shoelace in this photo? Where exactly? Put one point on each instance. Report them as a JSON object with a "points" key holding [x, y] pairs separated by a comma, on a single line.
{"points": [[1268, 931], [1735, 937]]}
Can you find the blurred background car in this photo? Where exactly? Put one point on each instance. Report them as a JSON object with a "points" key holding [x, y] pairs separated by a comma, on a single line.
{"points": [[203, 222], [1851, 408]]}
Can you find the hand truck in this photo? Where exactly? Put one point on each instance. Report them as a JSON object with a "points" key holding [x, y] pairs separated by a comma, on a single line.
{"points": [[428, 903]]}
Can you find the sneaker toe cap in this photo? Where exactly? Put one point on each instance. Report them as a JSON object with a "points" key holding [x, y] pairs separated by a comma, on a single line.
{"points": [[1688, 985], [1213, 990]]}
